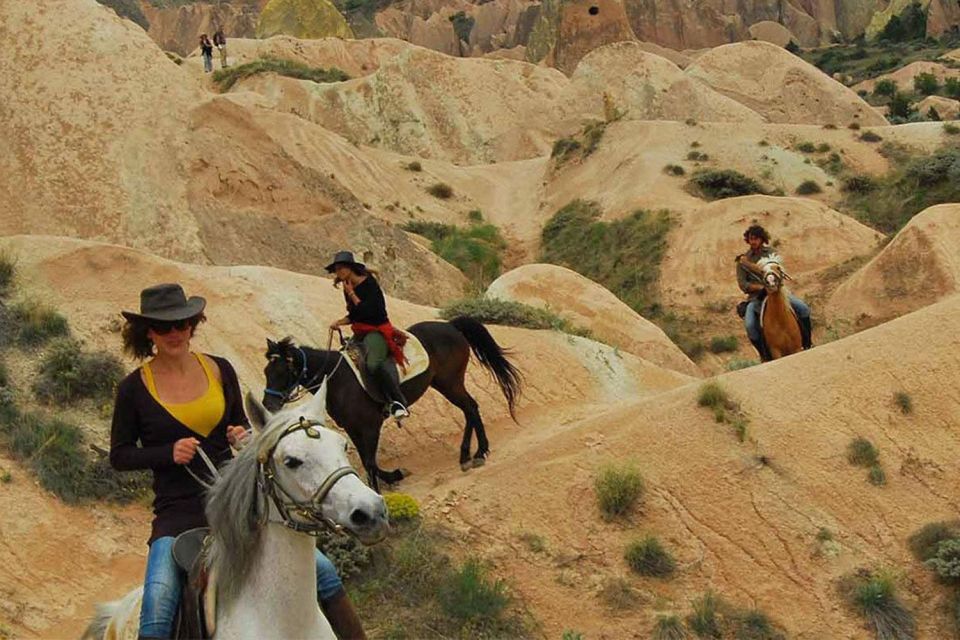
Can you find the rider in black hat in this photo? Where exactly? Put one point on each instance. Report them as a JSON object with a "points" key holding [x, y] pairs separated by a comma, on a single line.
{"points": [[367, 317]]}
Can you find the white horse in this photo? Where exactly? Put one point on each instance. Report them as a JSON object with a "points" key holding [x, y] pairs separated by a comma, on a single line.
{"points": [[292, 479]]}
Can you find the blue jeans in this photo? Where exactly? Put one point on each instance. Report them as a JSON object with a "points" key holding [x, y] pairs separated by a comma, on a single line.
{"points": [[161, 588], [752, 318]]}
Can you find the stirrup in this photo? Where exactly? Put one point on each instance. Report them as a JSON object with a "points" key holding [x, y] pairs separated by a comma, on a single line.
{"points": [[398, 411]]}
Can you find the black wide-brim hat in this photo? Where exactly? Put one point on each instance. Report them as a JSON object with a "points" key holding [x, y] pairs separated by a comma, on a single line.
{"points": [[166, 303], [344, 257]]}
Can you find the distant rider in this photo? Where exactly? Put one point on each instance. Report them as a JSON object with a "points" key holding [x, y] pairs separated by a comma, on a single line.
{"points": [[751, 283]]}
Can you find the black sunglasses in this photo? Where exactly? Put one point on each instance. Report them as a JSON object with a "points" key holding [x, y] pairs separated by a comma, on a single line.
{"points": [[162, 328]]}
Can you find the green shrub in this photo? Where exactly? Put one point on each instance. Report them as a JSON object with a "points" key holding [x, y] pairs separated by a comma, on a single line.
{"points": [[874, 597], [946, 561], [754, 625], [414, 166], [349, 556], [823, 147], [862, 453], [806, 147], [723, 344], [951, 87], [534, 541], [68, 374], [926, 84], [885, 87], [697, 156], [618, 594], [951, 129], [855, 126], [669, 628], [877, 476], [735, 364], [475, 216], [648, 558], [705, 619], [870, 136], [623, 255], [225, 79], [440, 190], [824, 535], [570, 634], [592, 135], [858, 184], [33, 323], [911, 24], [57, 453], [462, 25], [618, 488], [695, 144], [511, 314], [471, 596], [563, 147], [901, 106], [129, 9], [8, 272], [712, 395], [674, 170], [725, 183], [903, 400], [808, 187], [475, 250], [925, 542]]}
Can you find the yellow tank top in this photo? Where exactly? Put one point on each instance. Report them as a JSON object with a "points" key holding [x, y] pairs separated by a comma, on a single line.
{"points": [[200, 415]]}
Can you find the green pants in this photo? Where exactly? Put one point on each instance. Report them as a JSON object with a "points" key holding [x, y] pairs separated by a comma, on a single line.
{"points": [[376, 347]]}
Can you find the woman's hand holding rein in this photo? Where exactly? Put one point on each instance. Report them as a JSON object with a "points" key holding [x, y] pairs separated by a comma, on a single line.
{"points": [[184, 450]]}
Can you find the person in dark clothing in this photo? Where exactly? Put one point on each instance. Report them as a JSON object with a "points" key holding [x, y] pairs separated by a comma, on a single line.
{"points": [[220, 42], [178, 403], [367, 317], [206, 50], [752, 284]]}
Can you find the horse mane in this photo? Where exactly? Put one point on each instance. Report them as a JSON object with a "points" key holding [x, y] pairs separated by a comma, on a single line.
{"points": [[233, 514], [773, 258]]}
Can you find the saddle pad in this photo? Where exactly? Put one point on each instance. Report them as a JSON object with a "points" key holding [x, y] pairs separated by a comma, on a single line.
{"points": [[417, 361]]}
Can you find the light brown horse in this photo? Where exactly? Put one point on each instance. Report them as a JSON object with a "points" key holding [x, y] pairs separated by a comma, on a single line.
{"points": [[778, 321]]}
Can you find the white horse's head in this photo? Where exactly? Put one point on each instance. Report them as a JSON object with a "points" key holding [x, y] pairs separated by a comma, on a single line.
{"points": [[308, 479], [773, 273]]}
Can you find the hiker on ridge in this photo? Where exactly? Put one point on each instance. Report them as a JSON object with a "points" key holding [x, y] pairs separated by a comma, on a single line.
{"points": [[367, 317], [206, 50], [751, 284], [220, 42]]}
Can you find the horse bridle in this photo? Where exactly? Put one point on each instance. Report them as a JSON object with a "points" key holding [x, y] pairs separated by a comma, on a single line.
{"points": [[299, 388], [308, 510]]}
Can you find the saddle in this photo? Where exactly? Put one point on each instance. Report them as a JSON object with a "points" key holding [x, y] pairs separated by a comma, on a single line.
{"points": [[197, 614], [418, 360]]}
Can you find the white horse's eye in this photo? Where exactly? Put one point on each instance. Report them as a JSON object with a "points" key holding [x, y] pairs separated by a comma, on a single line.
{"points": [[292, 463]]}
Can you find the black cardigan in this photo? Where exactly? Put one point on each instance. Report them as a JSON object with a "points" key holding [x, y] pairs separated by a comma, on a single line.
{"points": [[138, 418], [372, 308]]}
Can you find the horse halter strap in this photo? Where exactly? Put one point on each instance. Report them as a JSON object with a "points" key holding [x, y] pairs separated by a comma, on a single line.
{"points": [[309, 510]]}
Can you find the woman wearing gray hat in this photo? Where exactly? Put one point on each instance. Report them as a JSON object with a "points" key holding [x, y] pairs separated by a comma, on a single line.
{"points": [[176, 403], [367, 318]]}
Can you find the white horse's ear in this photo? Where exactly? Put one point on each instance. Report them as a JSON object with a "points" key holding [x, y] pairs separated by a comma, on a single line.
{"points": [[256, 412], [318, 404]]}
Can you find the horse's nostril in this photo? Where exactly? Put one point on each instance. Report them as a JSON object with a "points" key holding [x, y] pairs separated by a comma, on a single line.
{"points": [[360, 518]]}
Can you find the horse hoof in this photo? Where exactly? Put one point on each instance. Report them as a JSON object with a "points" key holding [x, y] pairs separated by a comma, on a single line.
{"points": [[479, 462], [466, 466]]}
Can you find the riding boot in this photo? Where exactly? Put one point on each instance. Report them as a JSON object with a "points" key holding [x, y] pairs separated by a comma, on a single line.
{"points": [[389, 381], [343, 618], [806, 332], [762, 349]]}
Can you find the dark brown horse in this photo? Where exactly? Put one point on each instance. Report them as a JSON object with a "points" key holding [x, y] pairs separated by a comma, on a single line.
{"points": [[291, 368]]}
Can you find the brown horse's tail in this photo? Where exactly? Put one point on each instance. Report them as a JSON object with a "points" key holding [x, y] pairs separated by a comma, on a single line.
{"points": [[492, 356]]}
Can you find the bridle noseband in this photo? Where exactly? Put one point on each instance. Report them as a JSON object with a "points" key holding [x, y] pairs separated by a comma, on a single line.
{"points": [[308, 510]]}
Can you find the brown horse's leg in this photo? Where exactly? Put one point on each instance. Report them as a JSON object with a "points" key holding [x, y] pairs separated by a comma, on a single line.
{"points": [[457, 394]]}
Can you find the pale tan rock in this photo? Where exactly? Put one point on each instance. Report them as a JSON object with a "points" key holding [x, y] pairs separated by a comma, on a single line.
{"points": [[904, 76], [178, 28], [919, 267], [947, 108], [772, 32], [586, 25], [588, 305], [644, 86], [780, 86]]}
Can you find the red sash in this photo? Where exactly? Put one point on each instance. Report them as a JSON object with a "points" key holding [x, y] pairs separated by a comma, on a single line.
{"points": [[395, 339]]}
